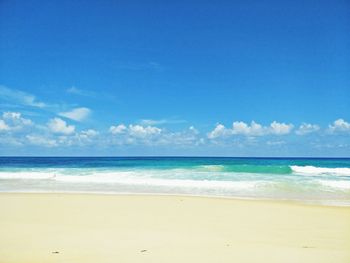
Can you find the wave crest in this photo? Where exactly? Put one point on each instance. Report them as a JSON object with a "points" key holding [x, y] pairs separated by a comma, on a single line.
{"points": [[312, 170]]}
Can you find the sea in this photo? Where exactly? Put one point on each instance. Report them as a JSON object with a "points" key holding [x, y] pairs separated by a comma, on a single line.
{"points": [[310, 180]]}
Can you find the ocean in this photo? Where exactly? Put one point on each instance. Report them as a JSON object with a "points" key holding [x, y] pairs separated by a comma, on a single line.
{"points": [[311, 180]]}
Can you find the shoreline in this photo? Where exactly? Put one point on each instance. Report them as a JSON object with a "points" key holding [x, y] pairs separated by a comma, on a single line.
{"points": [[168, 228], [320, 203]]}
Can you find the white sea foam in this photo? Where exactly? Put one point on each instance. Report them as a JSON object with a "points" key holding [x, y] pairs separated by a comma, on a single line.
{"points": [[173, 183], [179, 180], [312, 170], [132, 178], [211, 168], [27, 175], [341, 184]]}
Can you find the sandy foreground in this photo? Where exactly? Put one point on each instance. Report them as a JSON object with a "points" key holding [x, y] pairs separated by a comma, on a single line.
{"points": [[126, 228]]}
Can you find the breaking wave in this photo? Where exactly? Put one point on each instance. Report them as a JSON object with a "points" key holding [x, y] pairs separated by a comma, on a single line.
{"points": [[312, 170]]}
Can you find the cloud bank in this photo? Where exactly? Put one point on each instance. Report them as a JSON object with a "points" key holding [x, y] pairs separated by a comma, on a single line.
{"points": [[17, 130], [253, 129]]}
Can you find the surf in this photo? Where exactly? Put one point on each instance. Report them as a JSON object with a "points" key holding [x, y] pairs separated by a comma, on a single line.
{"points": [[313, 170]]}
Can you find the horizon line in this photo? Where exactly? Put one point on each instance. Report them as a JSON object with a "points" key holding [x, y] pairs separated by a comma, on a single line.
{"points": [[170, 156]]}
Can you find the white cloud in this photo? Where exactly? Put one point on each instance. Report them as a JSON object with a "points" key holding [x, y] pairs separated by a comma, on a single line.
{"points": [[121, 128], [188, 138], [41, 141], [83, 138], [89, 133], [16, 119], [339, 125], [137, 131], [152, 122], [253, 129], [20, 97], [77, 114], [306, 128], [13, 121], [11, 115], [141, 131], [3, 126], [59, 133], [162, 121], [58, 125], [280, 128], [135, 134], [219, 131]]}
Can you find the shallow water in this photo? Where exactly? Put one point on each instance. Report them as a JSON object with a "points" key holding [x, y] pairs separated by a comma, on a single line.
{"points": [[306, 179]]}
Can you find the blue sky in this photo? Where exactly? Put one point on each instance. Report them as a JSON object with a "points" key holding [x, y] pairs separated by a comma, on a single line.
{"points": [[236, 78]]}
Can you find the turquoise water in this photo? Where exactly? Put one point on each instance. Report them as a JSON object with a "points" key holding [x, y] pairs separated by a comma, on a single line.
{"points": [[305, 179]]}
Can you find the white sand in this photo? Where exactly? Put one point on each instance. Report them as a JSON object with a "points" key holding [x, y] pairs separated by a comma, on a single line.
{"points": [[111, 228]]}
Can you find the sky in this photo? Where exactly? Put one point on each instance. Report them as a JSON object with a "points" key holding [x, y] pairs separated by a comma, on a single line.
{"points": [[204, 78]]}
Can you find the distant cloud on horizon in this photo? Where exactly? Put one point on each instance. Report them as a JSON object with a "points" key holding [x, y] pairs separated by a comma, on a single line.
{"points": [[339, 125], [19, 131], [253, 129], [306, 128]]}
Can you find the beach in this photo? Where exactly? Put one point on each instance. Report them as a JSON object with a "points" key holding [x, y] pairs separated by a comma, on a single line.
{"points": [[163, 228], [174, 131]]}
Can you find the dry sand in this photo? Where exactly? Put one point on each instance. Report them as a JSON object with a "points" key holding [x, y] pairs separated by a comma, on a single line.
{"points": [[110, 228]]}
